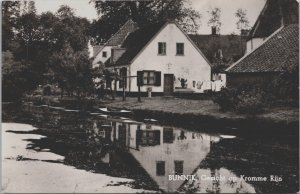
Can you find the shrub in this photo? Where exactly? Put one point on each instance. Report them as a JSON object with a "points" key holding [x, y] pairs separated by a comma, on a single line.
{"points": [[250, 102], [227, 99], [248, 99]]}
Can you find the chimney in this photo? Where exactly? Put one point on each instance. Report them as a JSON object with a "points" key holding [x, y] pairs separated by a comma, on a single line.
{"points": [[214, 30], [245, 32]]}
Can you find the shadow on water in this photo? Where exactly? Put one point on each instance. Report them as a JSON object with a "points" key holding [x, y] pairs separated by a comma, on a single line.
{"points": [[148, 153]]}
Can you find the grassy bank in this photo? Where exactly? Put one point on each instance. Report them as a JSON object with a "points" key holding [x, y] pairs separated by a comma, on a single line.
{"points": [[205, 109], [184, 112]]}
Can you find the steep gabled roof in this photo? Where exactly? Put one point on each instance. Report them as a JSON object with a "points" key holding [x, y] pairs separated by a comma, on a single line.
{"points": [[281, 48], [119, 37], [232, 46], [275, 14], [136, 41]]}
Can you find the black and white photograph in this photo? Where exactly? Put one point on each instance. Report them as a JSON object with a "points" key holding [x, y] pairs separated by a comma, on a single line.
{"points": [[150, 96]]}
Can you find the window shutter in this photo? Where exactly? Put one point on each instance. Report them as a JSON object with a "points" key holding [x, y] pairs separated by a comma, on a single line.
{"points": [[140, 81], [157, 78]]}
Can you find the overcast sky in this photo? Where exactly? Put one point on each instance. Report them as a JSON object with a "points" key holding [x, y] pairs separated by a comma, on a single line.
{"points": [[228, 7]]}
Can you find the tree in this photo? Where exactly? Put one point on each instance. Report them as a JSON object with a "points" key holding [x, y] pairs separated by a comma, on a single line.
{"points": [[70, 29], [27, 34], [115, 13], [10, 13], [72, 70], [214, 21], [17, 77], [243, 22], [28, 7]]}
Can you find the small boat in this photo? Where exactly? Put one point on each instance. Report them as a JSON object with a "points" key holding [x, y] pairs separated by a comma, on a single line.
{"points": [[115, 112], [69, 110], [95, 113], [105, 116], [150, 120], [227, 136]]}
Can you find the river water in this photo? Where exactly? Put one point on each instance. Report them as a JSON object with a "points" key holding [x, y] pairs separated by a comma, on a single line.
{"points": [[158, 157]]}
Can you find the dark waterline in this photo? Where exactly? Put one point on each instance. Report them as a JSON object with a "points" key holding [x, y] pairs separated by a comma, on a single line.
{"points": [[149, 152]]}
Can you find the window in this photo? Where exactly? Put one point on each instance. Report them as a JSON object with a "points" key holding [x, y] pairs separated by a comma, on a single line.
{"points": [[149, 78], [104, 54], [179, 48], [178, 167], [160, 168], [162, 48], [168, 136]]}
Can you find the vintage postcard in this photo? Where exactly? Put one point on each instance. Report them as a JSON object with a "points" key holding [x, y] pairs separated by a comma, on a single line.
{"points": [[150, 96]]}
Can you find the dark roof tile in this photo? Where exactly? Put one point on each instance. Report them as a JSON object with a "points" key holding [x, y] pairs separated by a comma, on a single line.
{"points": [[280, 49], [136, 41], [232, 46]]}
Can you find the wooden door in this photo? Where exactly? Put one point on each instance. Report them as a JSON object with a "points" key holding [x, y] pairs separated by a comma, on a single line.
{"points": [[168, 84]]}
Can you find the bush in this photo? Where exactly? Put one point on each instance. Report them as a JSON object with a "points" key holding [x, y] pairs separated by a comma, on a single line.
{"points": [[247, 99], [227, 99], [251, 102]]}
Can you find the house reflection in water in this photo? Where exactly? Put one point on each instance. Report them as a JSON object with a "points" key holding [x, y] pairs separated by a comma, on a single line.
{"points": [[161, 151]]}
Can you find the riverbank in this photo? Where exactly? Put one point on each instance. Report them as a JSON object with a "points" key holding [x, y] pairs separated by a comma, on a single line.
{"points": [[205, 112]]}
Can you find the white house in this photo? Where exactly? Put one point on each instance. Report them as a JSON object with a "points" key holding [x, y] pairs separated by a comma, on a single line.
{"points": [[164, 58], [102, 53]]}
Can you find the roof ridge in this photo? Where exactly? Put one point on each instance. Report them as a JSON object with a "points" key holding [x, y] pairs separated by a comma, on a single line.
{"points": [[163, 25], [105, 44]]}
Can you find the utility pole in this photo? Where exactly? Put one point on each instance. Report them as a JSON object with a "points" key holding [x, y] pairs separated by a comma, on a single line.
{"points": [[124, 96], [115, 88], [139, 88]]}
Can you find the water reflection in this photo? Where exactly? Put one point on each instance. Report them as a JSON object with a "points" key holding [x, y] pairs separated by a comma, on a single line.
{"points": [[147, 153], [161, 151]]}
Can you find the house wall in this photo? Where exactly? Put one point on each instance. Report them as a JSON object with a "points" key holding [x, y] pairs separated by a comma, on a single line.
{"points": [[254, 43], [99, 57], [191, 66], [236, 79]]}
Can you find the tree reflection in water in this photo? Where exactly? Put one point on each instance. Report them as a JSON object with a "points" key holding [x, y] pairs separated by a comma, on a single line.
{"points": [[144, 152]]}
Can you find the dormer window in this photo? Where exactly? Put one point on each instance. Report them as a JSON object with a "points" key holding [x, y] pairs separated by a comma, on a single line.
{"points": [[104, 54], [162, 48], [179, 48]]}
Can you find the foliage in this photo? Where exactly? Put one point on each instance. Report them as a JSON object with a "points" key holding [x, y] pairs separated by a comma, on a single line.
{"points": [[227, 99], [247, 98], [17, 77], [70, 29], [243, 22], [287, 83], [10, 13], [250, 102], [72, 71], [250, 98], [215, 15], [115, 13], [33, 42]]}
